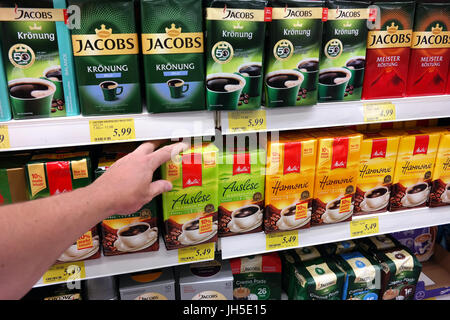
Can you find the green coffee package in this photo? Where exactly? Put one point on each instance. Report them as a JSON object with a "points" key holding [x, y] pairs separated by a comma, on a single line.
{"points": [[234, 53], [343, 54], [106, 51], [37, 56], [173, 50], [5, 110], [294, 39]]}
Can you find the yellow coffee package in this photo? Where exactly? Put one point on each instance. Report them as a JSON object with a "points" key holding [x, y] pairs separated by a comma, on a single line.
{"points": [[412, 124], [377, 126], [440, 187], [289, 182], [337, 170], [376, 171], [414, 169]]}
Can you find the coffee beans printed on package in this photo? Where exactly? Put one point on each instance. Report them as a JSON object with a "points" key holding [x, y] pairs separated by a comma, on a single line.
{"points": [[234, 53], [294, 39], [343, 54], [37, 56]]}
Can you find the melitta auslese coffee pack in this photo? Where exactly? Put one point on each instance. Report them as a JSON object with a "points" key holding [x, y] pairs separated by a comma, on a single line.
{"points": [[190, 208], [289, 182], [343, 54], [388, 50], [292, 53], [430, 49], [257, 277], [376, 172], [414, 169], [234, 53], [241, 190], [172, 45], [106, 51], [37, 54], [52, 174], [337, 170], [13, 185], [130, 233]]}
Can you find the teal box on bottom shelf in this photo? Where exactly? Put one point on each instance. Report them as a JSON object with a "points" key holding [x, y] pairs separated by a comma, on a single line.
{"points": [[5, 110]]}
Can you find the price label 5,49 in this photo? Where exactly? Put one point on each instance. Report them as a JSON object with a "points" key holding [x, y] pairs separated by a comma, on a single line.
{"points": [[112, 130], [196, 253], [242, 121], [365, 227], [281, 240]]}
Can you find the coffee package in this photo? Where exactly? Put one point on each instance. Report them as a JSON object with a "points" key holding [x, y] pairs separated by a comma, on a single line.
{"points": [[172, 45], [337, 170], [376, 127], [318, 279], [37, 54], [241, 190], [234, 60], [430, 49], [5, 109], [292, 56], [104, 288], [190, 208], [419, 241], [440, 186], [13, 185], [363, 274], [376, 172], [211, 280], [106, 51], [414, 169], [388, 50], [400, 273], [257, 277], [148, 285], [52, 174], [343, 55], [424, 123], [289, 182], [340, 247], [128, 233], [377, 243]]}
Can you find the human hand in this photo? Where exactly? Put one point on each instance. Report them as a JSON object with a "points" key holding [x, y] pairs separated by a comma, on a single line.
{"points": [[127, 185]]}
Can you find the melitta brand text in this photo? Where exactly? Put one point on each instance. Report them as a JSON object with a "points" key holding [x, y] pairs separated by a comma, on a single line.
{"points": [[331, 182], [407, 167], [235, 186], [365, 170], [186, 199], [280, 187]]}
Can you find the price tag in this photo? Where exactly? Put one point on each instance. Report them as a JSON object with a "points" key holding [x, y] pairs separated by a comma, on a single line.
{"points": [[364, 227], [196, 253], [65, 272], [4, 137], [242, 121], [375, 112], [112, 130], [281, 240]]}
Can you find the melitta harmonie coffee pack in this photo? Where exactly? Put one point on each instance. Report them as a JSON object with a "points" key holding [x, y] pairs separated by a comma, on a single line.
{"points": [[388, 50], [172, 45], [289, 182], [5, 110], [292, 56], [234, 53], [106, 51], [363, 275], [414, 169], [130, 233], [376, 172], [190, 208], [337, 170], [241, 190], [430, 49], [52, 174], [343, 55], [13, 186], [440, 185], [257, 277], [37, 53]]}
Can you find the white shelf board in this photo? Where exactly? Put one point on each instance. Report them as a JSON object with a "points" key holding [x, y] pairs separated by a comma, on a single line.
{"points": [[347, 113], [251, 244], [74, 131], [127, 263]]}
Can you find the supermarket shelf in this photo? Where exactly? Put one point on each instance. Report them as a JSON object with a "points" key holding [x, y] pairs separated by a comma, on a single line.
{"points": [[347, 113], [74, 131], [250, 244], [127, 263]]}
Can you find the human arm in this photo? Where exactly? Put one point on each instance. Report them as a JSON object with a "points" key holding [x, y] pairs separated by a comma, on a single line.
{"points": [[34, 234]]}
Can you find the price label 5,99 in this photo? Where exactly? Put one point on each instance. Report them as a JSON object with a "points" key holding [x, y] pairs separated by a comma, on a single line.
{"points": [[242, 121], [112, 130]]}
